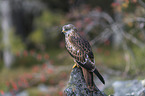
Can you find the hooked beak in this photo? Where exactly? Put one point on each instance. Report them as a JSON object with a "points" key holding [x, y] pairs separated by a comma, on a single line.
{"points": [[63, 31]]}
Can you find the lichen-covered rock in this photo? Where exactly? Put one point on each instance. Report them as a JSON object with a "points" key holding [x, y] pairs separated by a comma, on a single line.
{"points": [[77, 85], [128, 88], [142, 92]]}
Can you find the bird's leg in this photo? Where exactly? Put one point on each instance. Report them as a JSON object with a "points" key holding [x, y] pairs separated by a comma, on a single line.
{"points": [[92, 90], [75, 65]]}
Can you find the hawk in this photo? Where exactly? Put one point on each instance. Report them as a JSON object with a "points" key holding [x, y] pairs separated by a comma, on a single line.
{"points": [[81, 51]]}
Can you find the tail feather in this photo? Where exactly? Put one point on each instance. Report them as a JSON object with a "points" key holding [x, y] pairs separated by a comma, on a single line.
{"points": [[99, 76], [88, 76]]}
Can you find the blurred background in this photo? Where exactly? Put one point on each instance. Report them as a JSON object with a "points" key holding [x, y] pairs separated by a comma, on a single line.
{"points": [[33, 58]]}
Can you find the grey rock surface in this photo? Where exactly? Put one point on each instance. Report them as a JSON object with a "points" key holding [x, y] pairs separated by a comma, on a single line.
{"points": [[77, 85], [128, 88]]}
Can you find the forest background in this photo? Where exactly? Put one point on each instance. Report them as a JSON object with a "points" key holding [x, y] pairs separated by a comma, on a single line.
{"points": [[33, 58]]}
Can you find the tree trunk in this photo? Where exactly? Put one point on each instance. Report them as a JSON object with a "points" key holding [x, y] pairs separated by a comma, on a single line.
{"points": [[6, 28], [118, 26]]}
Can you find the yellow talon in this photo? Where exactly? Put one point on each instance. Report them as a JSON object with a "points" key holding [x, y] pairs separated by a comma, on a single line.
{"points": [[75, 65]]}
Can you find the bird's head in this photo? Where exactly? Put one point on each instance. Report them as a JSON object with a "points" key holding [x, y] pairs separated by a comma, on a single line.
{"points": [[66, 29]]}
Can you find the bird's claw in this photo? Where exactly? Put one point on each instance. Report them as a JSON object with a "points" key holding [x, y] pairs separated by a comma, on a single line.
{"points": [[75, 65]]}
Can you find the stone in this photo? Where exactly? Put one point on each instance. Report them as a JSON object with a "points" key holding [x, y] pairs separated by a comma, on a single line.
{"points": [[77, 86], [127, 88]]}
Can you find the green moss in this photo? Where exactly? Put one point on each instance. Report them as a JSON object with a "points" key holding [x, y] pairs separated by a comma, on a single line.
{"points": [[109, 91], [34, 91]]}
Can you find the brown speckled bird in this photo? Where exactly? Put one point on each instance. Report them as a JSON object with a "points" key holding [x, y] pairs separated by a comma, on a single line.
{"points": [[81, 51]]}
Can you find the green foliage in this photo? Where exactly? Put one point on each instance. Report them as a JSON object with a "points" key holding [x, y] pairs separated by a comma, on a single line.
{"points": [[16, 43], [48, 19], [10, 75], [109, 91], [1, 45], [1, 64], [26, 61], [37, 36], [60, 57], [34, 92], [119, 59], [112, 59], [139, 59], [45, 34]]}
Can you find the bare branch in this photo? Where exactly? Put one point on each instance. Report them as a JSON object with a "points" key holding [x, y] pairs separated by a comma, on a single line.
{"points": [[102, 37], [104, 15], [133, 39], [138, 19], [141, 3], [90, 26]]}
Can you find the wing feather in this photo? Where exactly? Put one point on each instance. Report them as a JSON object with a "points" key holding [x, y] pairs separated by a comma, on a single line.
{"points": [[82, 48]]}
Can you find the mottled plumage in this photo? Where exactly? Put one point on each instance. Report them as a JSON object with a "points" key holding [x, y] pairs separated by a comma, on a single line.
{"points": [[81, 51]]}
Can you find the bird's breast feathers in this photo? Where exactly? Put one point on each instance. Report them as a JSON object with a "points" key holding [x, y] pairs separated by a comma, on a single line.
{"points": [[79, 49]]}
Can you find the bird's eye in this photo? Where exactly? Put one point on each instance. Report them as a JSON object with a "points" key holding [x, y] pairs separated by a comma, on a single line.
{"points": [[66, 29]]}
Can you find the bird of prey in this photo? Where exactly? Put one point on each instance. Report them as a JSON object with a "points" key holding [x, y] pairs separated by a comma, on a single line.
{"points": [[81, 51]]}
